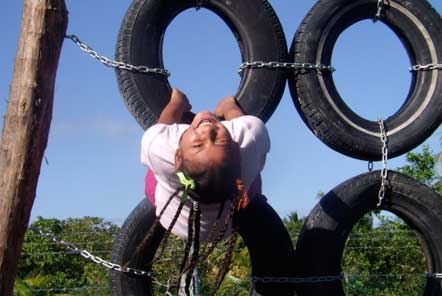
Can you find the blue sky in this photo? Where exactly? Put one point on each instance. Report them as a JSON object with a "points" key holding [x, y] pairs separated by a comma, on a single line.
{"points": [[93, 166]]}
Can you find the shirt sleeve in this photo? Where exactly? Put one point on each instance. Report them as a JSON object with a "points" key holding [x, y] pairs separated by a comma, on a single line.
{"points": [[252, 136], [158, 146]]}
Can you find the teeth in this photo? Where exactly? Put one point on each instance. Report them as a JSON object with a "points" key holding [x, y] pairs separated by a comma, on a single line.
{"points": [[205, 122]]}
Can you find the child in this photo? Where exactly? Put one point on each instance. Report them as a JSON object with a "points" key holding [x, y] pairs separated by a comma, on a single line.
{"points": [[209, 186]]}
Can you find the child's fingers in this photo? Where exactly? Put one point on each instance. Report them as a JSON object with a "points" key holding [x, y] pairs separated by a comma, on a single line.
{"points": [[177, 94], [181, 98]]}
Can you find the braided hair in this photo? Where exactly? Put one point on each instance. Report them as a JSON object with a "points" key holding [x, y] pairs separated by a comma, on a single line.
{"points": [[192, 254], [216, 184], [144, 244], [188, 266]]}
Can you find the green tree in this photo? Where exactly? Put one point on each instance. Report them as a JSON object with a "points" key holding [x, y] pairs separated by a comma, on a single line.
{"points": [[293, 225], [386, 258], [46, 267], [421, 166]]}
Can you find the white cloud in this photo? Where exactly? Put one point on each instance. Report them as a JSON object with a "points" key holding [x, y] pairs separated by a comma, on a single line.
{"points": [[105, 126]]}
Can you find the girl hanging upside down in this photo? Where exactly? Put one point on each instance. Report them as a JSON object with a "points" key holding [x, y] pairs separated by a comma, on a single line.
{"points": [[206, 186]]}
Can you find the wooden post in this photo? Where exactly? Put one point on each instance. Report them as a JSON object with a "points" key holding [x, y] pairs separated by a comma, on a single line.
{"points": [[26, 125]]}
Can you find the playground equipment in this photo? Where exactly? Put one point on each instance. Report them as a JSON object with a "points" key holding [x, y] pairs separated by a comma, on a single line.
{"points": [[317, 99], [324, 234], [255, 26], [265, 67]]}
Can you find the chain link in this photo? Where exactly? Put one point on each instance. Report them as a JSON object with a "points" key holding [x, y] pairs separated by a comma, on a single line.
{"points": [[96, 259], [380, 6], [332, 278], [115, 64], [200, 3], [253, 279], [428, 67], [384, 171], [65, 289], [287, 280], [281, 65]]}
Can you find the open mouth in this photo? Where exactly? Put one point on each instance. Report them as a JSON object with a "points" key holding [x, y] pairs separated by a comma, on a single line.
{"points": [[205, 122], [204, 118]]}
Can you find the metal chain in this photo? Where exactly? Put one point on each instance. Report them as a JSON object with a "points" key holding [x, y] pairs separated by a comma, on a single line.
{"points": [[281, 280], [254, 279], [115, 64], [65, 289], [378, 11], [384, 170], [96, 259], [428, 67], [291, 66], [200, 3], [333, 278]]}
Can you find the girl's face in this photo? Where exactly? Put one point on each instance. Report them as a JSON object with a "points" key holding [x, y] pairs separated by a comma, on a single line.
{"points": [[205, 143]]}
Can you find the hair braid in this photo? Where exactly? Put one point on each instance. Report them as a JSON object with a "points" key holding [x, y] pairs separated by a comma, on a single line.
{"points": [[240, 201], [146, 240], [212, 230], [215, 223], [169, 230], [217, 240], [194, 239], [226, 263], [223, 230], [189, 239]]}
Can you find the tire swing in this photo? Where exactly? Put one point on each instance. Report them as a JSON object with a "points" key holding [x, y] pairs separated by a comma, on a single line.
{"points": [[322, 238], [142, 218], [132, 232], [140, 42], [316, 98]]}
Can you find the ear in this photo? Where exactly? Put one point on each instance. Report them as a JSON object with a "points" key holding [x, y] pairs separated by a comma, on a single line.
{"points": [[178, 159]]}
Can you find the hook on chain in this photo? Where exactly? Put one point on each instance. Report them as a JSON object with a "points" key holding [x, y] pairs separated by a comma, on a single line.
{"points": [[380, 7], [370, 166], [200, 3]]}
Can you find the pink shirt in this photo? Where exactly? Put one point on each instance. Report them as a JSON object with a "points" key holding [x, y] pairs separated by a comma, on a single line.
{"points": [[158, 147]]}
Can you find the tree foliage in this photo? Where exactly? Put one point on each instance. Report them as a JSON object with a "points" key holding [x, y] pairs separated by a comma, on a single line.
{"points": [[421, 166], [383, 260], [48, 268]]}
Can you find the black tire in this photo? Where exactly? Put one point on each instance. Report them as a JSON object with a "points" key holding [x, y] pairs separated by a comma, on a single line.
{"points": [[132, 232], [253, 22], [322, 238], [273, 256], [316, 98]]}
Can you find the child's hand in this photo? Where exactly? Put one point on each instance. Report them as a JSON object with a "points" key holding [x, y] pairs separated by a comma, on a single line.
{"points": [[223, 105], [180, 101], [228, 109], [174, 110]]}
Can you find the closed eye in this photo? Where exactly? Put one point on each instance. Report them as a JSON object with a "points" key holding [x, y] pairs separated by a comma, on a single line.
{"points": [[222, 142]]}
